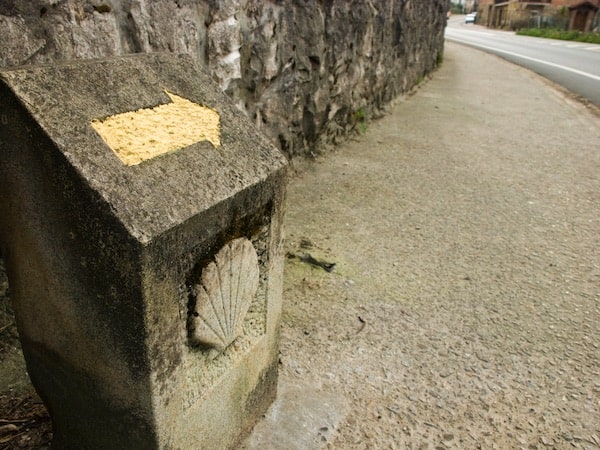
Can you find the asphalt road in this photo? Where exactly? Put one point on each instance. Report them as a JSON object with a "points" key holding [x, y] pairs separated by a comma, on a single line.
{"points": [[573, 65]]}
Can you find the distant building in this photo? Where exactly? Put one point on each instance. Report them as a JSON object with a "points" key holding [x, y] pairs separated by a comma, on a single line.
{"points": [[584, 16], [471, 6], [466, 6], [513, 14]]}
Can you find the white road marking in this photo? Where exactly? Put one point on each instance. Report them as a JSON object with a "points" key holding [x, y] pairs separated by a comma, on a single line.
{"points": [[539, 61]]}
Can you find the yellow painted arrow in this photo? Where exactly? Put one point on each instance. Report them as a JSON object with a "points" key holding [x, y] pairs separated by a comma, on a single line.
{"points": [[137, 136]]}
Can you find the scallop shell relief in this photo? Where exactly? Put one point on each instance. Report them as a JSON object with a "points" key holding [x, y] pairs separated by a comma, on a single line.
{"points": [[223, 295]]}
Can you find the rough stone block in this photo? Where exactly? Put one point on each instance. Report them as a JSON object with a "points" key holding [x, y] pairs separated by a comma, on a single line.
{"points": [[140, 221]]}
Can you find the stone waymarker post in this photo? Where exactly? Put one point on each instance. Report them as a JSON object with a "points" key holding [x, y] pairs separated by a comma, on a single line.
{"points": [[140, 221]]}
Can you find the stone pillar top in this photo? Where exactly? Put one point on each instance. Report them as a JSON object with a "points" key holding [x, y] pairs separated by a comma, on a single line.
{"points": [[159, 148]]}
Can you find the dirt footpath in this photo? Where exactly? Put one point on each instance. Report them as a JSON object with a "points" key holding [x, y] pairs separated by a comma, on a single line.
{"points": [[464, 307]]}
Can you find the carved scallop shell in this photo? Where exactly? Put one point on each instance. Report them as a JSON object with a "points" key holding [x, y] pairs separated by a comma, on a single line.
{"points": [[223, 295]]}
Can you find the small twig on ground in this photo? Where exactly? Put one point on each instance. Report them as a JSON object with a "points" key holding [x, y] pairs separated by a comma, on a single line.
{"points": [[363, 324], [7, 439], [19, 403], [10, 421], [309, 259]]}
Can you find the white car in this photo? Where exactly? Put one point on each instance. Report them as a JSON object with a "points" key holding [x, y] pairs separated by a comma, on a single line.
{"points": [[470, 18]]}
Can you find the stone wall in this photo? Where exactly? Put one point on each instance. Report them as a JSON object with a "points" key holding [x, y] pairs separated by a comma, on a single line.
{"points": [[306, 71]]}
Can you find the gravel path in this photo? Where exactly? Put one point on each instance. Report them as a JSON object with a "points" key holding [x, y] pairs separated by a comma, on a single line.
{"points": [[464, 308]]}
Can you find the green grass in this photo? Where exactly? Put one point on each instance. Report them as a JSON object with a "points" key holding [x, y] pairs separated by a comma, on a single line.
{"points": [[553, 33], [360, 120]]}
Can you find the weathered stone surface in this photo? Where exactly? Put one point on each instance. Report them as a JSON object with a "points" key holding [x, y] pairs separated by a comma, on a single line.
{"points": [[101, 256], [306, 72]]}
